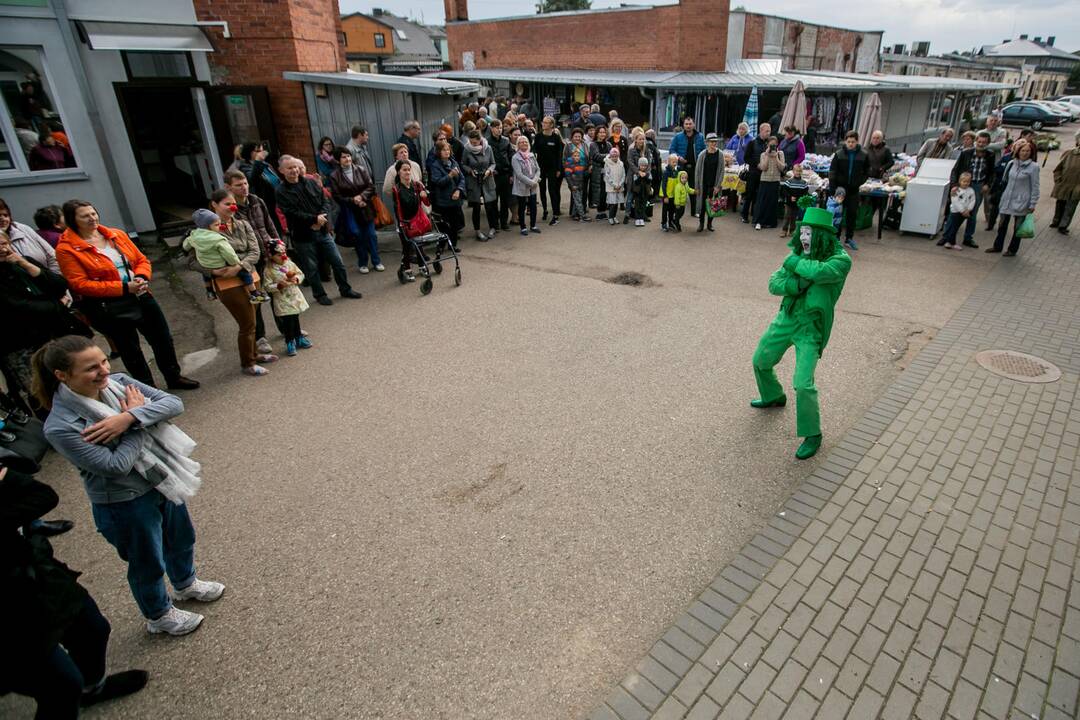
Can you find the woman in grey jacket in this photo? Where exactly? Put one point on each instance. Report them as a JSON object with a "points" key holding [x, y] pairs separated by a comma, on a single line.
{"points": [[478, 163], [136, 469], [1019, 198], [526, 183]]}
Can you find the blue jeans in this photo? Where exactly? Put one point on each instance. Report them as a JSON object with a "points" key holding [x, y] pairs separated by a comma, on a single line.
{"points": [[153, 536], [952, 226], [973, 220], [310, 254], [57, 677], [367, 243]]}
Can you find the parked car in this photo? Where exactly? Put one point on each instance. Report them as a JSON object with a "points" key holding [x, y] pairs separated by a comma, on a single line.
{"points": [[1058, 108], [1028, 113], [1072, 102]]}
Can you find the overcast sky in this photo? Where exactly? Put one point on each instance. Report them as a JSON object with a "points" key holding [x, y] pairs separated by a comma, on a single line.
{"points": [[947, 24]]}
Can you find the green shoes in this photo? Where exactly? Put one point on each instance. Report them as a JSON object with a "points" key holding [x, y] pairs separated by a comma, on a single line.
{"points": [[779, 402], [809, 447]]}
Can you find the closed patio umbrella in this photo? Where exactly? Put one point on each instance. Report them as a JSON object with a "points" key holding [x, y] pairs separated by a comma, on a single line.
{"points": [[750, 117], [795, 110], [871, 118]]}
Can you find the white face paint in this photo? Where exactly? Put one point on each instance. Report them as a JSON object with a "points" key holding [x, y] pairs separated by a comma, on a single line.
{"points": [[805, 235]]}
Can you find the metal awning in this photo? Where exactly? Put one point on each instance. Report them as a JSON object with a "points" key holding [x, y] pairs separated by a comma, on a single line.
{"points": [[761, 74], [400, 83], [152, 37]]}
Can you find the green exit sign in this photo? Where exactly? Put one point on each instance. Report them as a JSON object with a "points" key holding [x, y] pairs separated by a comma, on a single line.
{"points": [[237, 99]]}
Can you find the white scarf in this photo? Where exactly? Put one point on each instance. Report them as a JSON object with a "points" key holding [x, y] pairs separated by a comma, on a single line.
{"points": [[167, 448]]}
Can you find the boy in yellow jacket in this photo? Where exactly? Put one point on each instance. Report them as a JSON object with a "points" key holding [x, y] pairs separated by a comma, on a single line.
{"points": [[679, 198]]}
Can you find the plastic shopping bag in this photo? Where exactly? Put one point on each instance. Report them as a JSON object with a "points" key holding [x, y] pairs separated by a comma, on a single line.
{"points": [[1027, 228]]}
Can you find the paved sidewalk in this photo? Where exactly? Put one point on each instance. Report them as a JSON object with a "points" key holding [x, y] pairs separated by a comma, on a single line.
{"points": [[928, 567]]}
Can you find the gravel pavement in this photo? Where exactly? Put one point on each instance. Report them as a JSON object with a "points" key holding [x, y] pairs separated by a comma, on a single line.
{"points": [[488, 502]]}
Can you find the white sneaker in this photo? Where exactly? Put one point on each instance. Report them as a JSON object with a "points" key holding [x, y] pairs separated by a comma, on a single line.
{"points": [[364, 270], [175, 622], [201, 590], [757, 227], [263, 347], [380, 267]]}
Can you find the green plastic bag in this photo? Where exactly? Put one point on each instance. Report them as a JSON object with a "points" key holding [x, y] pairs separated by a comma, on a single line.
{"points": [[1027, 228], [864, 218]]}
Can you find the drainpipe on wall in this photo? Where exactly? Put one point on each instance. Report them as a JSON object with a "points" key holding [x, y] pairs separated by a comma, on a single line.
{"points": [[91, 106]]}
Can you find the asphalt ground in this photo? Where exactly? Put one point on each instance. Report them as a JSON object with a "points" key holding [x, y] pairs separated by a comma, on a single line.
{"points": [[488, 502]]}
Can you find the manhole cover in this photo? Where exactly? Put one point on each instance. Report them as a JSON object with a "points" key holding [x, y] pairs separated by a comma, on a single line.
{"points": [[1018, 366]]}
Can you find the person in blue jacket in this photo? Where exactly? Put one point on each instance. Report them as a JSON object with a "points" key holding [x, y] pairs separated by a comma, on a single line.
{"points": [[738, 142], [448, 190], [688, 145]]}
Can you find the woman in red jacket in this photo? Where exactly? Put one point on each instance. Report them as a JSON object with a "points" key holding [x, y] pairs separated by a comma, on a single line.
{"points": [[111, 279]]}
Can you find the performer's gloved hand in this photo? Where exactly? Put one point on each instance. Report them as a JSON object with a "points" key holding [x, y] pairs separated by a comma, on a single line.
{"points": [[804, 283], [790, 262]]}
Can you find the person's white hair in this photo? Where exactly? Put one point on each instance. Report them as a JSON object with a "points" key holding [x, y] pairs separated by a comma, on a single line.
{"points": [[286, 158]]}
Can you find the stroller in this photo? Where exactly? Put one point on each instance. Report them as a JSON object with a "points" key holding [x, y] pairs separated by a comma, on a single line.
{"points": [[440, 239]]}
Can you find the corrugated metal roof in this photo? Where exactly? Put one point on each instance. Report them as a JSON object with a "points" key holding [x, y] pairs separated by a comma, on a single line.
{"points": [[561, 77], [774, 81], [917, 82], [669, 79], [814, 80], [421, 85], [754, 66]]}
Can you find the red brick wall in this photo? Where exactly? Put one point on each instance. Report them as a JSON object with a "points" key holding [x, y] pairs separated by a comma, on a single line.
{"points": [[690, 36], [753, 36], [269, 38]]}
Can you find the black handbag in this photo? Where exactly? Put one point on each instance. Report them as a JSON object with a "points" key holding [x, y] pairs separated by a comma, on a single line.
{"points": [[22, 442]]}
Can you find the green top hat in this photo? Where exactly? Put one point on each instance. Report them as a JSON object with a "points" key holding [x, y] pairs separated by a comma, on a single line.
{"points": [[817, 218]]}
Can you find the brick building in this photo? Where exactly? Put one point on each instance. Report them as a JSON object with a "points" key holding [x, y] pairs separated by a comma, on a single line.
{"points": [[687, 36], [269, 38], [801, 45]]}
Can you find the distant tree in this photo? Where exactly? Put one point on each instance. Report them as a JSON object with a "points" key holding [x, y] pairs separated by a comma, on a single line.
{"points": [[550, 6]]}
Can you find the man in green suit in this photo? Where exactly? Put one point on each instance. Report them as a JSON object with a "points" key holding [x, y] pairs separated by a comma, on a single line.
{"points": [[810, 282]]}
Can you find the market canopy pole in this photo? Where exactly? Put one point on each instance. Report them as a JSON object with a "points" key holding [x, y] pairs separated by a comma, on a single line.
{"points": [[795, 110], [750, 117], [871, 118]]}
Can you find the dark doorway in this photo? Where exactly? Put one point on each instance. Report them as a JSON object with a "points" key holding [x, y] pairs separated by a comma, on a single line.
{"points": [[240, 114], [169, 148]]}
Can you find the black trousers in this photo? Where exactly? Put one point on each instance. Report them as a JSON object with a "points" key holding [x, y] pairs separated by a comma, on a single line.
{"points": [[504, 190], [453, 220], [57, 677], [551, 187], [523, 203], [750, 196], [290, 327], [1003, 226], [690, 181], [676, 219], [152, 325], [310, 255], [491, 209], [851, 211]]}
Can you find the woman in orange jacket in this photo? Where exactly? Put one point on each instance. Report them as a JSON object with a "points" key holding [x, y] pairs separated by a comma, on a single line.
{"points": [[110, 278]]}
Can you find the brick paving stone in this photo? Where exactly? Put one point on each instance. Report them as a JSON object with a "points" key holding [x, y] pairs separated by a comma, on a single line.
{"points": [[929, 564]]}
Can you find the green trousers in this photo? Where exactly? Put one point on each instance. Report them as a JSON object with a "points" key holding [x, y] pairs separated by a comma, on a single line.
{"points": [[785, 331]]}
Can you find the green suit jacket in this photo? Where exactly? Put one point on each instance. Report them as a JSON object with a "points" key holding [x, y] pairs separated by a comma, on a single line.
{"points": [[810, 288]]}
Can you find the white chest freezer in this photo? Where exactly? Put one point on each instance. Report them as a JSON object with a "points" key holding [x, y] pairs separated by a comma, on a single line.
{"points": [[927, 195]]}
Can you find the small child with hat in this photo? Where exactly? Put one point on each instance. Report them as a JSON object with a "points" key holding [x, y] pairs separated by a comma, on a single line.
{"points": [[283, 278], [614, 183], [213, 252], [640, 190]]}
